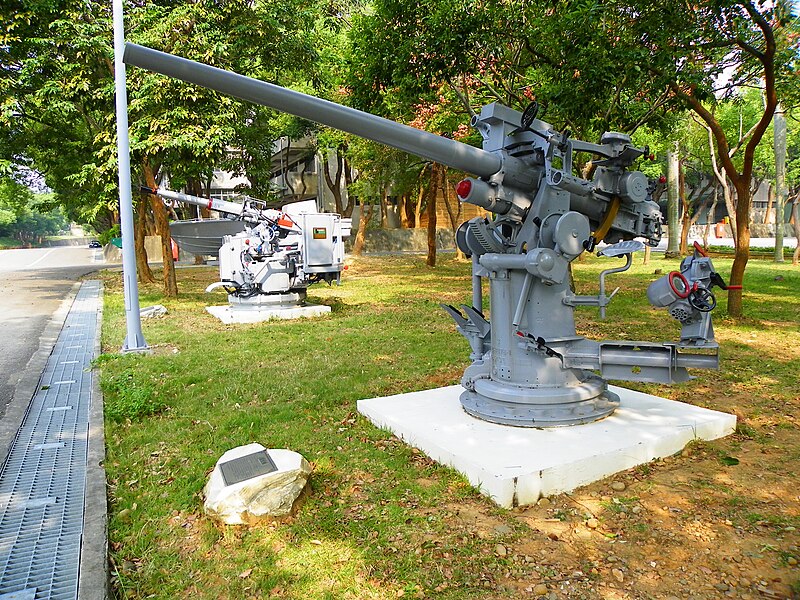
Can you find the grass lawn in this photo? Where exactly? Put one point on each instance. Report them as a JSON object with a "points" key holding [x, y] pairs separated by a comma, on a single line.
{"points": [[380, 519]]}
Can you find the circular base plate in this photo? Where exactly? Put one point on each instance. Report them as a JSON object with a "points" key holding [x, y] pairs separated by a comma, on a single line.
{"points": [[539, 415], [269, 300]]}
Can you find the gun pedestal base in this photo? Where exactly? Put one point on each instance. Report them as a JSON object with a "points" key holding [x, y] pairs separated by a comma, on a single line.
{"points": [[548, 411], [266, 307], [277, 300]]}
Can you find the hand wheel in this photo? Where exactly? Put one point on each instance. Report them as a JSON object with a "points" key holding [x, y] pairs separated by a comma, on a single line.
{"points": [[702, 299]]}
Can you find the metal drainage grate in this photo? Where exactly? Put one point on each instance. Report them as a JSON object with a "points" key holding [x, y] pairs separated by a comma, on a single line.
{"points": [[42, 483]]}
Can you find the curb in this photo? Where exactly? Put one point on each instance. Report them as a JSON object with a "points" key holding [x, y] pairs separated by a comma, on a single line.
{"points": [[93, 579]]}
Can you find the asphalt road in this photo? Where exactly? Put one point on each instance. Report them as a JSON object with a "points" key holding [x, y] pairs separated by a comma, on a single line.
{"points": [[33, 284]]}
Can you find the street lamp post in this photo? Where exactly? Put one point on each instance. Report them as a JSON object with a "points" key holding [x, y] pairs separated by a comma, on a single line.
{"points": [[134, 340]]}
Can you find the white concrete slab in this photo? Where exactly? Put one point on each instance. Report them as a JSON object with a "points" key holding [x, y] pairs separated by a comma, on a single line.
{"points": [[230, 315], [516, 466]]}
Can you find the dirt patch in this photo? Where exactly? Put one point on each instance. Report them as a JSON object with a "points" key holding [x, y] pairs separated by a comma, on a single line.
{"points": [[164, 350], [688, 526]]}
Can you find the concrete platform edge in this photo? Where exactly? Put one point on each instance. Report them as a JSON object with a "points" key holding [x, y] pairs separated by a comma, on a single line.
{"points": [[93, 576], [611, 463], [520, 489], [239, 316], [494, 487], [502, 490]]}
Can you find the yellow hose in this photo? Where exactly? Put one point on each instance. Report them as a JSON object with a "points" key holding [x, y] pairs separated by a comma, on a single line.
{"points": [[608, 219]]}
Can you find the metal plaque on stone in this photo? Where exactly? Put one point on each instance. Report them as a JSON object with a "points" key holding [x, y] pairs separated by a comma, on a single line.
{"points": [[247, 467]]}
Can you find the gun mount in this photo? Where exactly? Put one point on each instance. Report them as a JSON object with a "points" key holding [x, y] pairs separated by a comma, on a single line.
{"points": [[529, 367], [278, 255]]}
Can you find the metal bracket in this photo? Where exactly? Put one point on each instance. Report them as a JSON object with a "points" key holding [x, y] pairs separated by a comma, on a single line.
{"points": [[625, 249]]}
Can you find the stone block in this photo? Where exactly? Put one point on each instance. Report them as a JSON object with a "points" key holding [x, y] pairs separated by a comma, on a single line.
{"points": [[258, 498], [149, 312]]}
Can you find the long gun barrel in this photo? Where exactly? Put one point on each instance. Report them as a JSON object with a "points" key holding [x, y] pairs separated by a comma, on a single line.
{"points": [[414, 141], [223, 206]]}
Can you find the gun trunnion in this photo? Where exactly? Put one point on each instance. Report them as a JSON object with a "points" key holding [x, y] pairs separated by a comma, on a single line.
{"points": [[529, 367]]}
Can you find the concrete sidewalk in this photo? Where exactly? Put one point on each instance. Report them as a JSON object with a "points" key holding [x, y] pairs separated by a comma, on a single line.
{"points": [[788, 242], [53, 541]]}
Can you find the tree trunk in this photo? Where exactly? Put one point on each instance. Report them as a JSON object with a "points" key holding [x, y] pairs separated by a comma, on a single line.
{"points": [[700, 210], [303, 182], [648, 250], [408, 217], [384, 208], [710, 216], [433, 191], [364, 218], [723, 182], [796, 227], [673, 200], [348, 179], [335, 183], [403, 211], [149, 220], [420, 198], [742, 253], [139, 232], [686, 215], [418, 207], [779, 138], [162, 228], [770, 204], [454, 216], [730, 205], [698, 192], [285, 168], [204, 191]]}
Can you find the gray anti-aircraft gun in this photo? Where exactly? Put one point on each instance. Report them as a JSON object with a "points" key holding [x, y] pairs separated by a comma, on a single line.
{"points": [[529, 367], [277, 255]]}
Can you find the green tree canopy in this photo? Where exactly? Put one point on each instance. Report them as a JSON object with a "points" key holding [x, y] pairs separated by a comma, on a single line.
{"points": [[56, 89], [25, 216]]}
